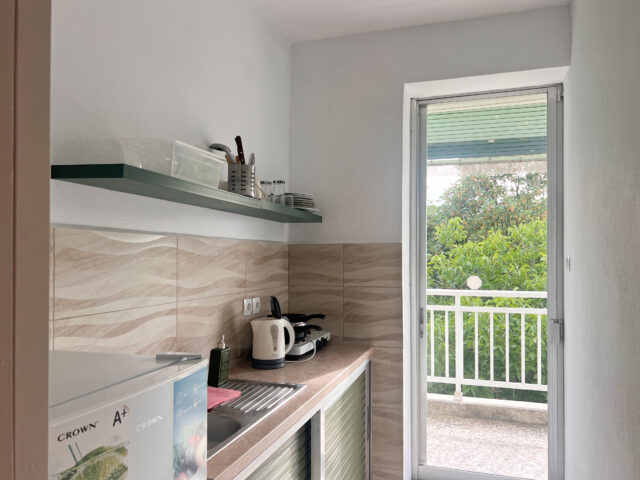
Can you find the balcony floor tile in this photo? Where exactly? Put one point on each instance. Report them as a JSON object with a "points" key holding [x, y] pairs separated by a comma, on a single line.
{"points": [[488, 446]]}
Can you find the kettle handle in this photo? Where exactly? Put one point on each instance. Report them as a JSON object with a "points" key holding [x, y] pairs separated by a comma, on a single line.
{"points": [[292, 336]]}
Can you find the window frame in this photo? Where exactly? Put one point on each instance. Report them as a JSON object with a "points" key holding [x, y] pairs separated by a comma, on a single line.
{"points": [[417, 282]]}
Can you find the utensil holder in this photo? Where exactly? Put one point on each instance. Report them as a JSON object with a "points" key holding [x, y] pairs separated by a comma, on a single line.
{"points": [[242, 179]]}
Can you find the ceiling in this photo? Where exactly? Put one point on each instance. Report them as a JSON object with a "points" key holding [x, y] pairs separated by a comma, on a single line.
{"points": [[302, 20]]}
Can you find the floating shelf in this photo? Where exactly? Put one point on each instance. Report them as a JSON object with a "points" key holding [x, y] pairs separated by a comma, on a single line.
{"points": [[126, 178]]}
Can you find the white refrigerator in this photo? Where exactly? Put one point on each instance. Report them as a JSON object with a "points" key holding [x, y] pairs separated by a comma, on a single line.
{"points": [[114, 417]]}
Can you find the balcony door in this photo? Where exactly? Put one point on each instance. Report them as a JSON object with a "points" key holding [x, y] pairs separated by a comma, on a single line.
{"points": [[489, 322]]}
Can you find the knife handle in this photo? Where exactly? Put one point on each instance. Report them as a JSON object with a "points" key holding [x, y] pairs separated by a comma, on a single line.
{"points": [[240, 149]]}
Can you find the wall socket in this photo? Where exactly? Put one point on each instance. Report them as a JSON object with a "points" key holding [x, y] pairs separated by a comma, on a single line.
{"points": [[247, 307], [256, 304], [251, 306]]}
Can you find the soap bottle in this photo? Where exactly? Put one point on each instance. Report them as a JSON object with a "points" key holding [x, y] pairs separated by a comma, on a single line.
{"points": [[219, 364]]}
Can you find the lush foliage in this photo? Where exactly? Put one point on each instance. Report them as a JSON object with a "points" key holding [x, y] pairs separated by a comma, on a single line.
{"points": [[493, 202], [492, 226]]}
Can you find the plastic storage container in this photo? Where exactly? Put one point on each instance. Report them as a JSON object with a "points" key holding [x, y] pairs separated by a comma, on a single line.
{"points": [[149, 153], [197, 165]]}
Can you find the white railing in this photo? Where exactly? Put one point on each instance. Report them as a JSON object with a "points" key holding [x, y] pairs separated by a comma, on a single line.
{"points": [[509, 313]]}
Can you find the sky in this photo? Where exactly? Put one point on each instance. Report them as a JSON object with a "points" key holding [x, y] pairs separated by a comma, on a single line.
{"points": [[438, 180]]}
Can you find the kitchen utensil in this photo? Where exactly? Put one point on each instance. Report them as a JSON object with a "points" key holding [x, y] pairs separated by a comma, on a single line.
{"points": [[269, 348], [301, 331], [240, 149], [300, 325], [220, 147], [229, 158], [252, 159], [242, 179]]}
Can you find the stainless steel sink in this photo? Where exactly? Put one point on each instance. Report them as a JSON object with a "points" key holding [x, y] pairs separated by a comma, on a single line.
{"points": [[230, 420], [219, 428]]}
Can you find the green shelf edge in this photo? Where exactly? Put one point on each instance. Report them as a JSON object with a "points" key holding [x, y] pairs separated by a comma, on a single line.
{"points": [[125, 178]]}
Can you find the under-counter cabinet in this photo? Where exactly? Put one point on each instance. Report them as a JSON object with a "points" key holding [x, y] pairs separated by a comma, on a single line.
{"points": [[346, 434], [292, 461], [333, 444]]}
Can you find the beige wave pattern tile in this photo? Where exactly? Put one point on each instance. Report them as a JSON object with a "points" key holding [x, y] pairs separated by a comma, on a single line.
{"points": [[373, 264], [267, 265], [281, 293], [373, 316], [386, 369], [145, 330], [316, 265], [380, 473], [202, 322], [327, 300], [386, 438], [210, 267], [99, 271]]}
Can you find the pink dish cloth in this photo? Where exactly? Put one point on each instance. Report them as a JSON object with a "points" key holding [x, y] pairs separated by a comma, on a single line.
{"points": [[218, 396]]}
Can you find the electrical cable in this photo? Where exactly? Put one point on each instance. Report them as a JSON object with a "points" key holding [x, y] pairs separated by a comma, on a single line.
{"points": [[306, 359]]}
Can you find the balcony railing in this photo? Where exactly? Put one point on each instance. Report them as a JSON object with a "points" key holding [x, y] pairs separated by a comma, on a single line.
{"points": [[531, 317]]}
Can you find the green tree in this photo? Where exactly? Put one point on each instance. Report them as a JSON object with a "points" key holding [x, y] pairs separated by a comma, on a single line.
{"points": [[492, 226], [514, 260], [493, 202]]}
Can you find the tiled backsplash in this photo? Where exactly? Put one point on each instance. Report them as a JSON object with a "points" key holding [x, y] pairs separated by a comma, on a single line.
{"points": [[143, 293], [359, 287]]}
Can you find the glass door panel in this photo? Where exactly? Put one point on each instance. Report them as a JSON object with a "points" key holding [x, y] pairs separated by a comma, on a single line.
{"points": [[483, 346]]}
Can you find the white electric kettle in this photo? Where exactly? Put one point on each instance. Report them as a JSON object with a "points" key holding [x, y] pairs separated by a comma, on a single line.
{"points": [[269, 347]]}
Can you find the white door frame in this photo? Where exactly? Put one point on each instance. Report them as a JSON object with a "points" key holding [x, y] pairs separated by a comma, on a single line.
{"points": [[413, 249], [25, 28]]}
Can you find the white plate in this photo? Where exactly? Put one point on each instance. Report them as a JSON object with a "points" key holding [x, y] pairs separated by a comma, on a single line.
{"points": [[305, 195]]}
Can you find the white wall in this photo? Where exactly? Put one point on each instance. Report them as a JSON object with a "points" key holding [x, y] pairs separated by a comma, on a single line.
{"points": [[194, 70], [602, 232], [346, 108]]}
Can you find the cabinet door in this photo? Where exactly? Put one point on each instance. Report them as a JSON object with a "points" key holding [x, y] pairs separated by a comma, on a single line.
{"points": [[292, 461], [346, 434]]}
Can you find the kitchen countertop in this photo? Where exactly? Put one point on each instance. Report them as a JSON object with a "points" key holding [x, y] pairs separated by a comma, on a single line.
{"points": [[321, 375]]}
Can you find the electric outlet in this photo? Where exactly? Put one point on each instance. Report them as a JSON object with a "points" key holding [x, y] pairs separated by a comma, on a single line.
{"points": [[248, 307], [256, 304]]}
